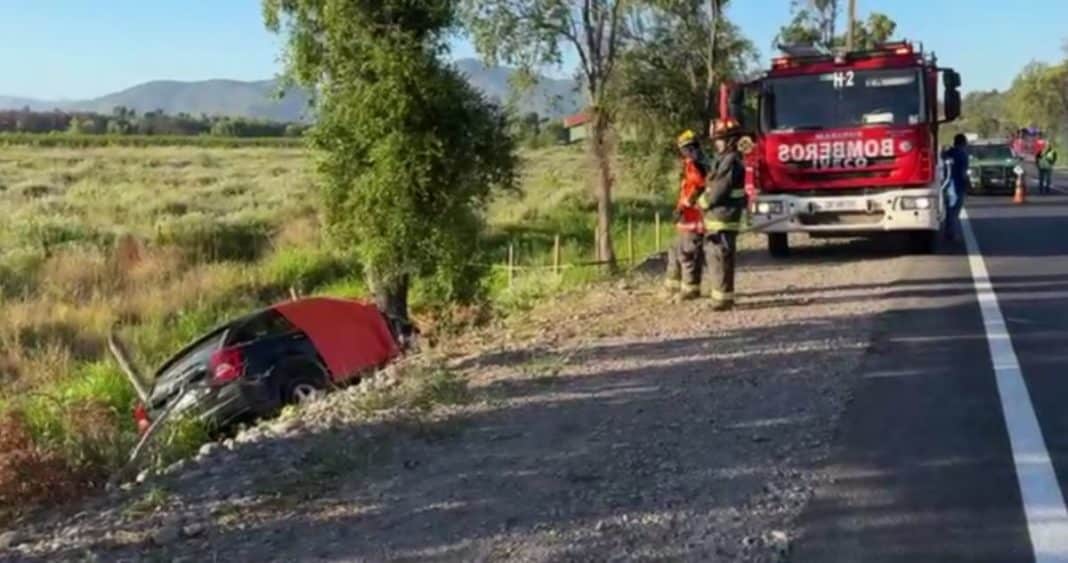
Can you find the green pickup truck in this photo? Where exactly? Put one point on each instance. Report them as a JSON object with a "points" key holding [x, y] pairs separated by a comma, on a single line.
{"points": [[992, 166]]}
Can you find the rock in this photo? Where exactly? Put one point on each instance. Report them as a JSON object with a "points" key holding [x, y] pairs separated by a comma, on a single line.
{"points": [[10, 539], [228, 444], [779, 543], [175, 467], [193, 530], [207, 449], [144, 475], [167, 534]]}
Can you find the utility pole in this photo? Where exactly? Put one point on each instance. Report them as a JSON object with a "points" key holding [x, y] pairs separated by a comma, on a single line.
{"points": [[851, 24]]}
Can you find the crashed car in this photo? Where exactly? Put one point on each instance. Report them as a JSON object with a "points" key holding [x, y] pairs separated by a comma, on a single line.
{"points": [[289, 353], [992, 167]]}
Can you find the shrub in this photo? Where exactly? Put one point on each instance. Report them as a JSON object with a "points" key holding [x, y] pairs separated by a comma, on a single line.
{"points": [[203, 239], [306, 269]]}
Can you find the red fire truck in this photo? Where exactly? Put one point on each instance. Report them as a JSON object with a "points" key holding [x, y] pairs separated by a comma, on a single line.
{"points": [[847, 143]]}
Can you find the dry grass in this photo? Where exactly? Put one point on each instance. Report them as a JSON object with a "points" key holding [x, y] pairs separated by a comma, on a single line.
{"points": [[168, 242]]}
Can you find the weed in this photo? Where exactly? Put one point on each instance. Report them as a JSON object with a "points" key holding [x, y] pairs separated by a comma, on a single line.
{"points": [[153, 500]]}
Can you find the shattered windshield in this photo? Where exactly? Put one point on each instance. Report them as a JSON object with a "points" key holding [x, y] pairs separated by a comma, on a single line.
{"points": [[846, 98]]}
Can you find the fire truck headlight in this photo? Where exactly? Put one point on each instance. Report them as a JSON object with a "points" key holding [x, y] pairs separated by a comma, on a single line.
{"points": [[769, 207], [915, 203]]}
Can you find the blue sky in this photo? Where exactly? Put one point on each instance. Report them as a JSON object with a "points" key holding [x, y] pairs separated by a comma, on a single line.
{"points": [[74, 49]]}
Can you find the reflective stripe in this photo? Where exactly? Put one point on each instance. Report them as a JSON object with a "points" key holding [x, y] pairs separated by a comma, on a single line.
{"points": [[672, 284], [721, 296], [713, 225], [703, 203], [691, 288]]}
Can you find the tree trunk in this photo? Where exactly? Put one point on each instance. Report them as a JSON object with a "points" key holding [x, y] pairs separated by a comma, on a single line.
{"points": [[710, 62], [391, 297], [602, 155]]}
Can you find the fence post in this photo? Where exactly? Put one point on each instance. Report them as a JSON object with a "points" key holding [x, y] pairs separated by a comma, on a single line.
{"points": [[656, 219], [556, 255], [596, 243], [511, 265], [630, 240]]}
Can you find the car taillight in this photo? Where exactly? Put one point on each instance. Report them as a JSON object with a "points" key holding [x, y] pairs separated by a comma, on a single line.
{"points": [[226, 365], [140, 416]]}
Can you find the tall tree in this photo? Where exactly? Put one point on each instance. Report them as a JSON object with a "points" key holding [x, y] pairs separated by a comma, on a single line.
{"points": [[679, 52], [408, 152], [532, 33], [879, 28], [1039, 96], [813, 23]]}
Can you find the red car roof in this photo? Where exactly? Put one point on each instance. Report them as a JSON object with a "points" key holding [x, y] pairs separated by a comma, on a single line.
{"points": [[351, 336]]}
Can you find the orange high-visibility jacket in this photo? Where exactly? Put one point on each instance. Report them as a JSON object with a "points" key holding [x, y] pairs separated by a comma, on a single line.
{"points": [[693, 184]]}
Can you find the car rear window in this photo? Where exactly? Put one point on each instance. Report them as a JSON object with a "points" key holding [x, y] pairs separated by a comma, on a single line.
{"points": [[195, 354], [261, 325]]}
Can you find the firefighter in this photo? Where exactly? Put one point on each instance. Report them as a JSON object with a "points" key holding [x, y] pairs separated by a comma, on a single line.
{"points": [[723, 204], [685, 257], [1045, 160]]}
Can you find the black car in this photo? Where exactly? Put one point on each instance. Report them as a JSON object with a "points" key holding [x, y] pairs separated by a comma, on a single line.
{"points": [[289, 353]]}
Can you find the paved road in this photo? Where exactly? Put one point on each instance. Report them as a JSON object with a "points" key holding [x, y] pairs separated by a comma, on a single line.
{"points": [[924, 468]]}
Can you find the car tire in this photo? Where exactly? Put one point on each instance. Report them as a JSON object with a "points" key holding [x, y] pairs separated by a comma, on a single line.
{"points": [[303, 384], [779, 245]]}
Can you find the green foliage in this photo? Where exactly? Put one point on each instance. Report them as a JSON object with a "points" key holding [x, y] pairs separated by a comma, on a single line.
{"points": [[813, 23], [407, 150], [179, 439], [308, 269], [1039, 97]]}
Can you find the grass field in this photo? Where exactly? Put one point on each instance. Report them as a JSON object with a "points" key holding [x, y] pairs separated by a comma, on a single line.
{"points": [[169, 241]]}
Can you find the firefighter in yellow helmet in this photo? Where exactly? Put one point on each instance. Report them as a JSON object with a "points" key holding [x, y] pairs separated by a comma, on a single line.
{"points": [[685, 257], [723, 203]]}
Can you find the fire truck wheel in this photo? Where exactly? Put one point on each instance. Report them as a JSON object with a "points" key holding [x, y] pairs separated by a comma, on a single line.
{"points": [[779, 244]]}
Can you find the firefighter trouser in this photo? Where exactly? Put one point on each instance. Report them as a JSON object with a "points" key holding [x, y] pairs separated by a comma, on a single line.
{"points": [[719, 265], [685, 261]]}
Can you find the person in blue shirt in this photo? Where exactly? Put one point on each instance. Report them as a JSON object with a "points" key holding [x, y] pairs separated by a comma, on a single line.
{"points": [[957, 156]]}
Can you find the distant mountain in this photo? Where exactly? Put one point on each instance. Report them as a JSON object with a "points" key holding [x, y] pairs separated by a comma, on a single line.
{"points": [[258, 99], [550, 97]]}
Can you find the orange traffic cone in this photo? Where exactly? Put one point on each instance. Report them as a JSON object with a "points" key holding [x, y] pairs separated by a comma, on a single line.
{"points": [[1021, 191]]}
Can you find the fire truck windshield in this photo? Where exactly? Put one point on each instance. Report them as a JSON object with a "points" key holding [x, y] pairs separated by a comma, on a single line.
{"points": [[844, 98]]}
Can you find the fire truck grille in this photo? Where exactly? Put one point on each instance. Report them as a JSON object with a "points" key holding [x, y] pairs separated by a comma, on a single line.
{"points": [[841, 218]]}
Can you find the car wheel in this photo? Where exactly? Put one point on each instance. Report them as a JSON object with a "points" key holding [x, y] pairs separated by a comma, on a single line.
{"points": [[304, 388]]}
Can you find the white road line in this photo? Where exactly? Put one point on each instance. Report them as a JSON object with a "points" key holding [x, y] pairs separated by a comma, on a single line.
{"points": [[1043, 502]]}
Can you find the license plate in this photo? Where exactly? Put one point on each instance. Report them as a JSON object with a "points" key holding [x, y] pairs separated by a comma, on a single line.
{"points": [[845, 205]]}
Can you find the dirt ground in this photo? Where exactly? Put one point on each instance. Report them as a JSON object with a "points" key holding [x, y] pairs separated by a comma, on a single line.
{"points": [[608, 425]]}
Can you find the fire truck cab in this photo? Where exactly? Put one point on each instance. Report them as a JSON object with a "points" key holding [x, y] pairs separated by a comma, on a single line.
{"points": [[847, 143]]}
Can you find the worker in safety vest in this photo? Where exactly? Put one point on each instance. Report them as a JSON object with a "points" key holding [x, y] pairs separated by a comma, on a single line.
{"points": [[1045, 160], [685, 257], [723, 203]]}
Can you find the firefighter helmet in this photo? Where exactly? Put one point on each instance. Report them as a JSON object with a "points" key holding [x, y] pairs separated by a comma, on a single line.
{"points": [[687, 137]]}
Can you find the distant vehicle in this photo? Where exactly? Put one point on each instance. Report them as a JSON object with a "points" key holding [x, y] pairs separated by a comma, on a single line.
{"points": [[991, 166], [1027, 142], [289, 353], [846, 144]]}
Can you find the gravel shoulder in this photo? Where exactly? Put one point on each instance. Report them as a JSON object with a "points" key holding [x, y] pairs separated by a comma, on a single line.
{"points": [[605, 425]]}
